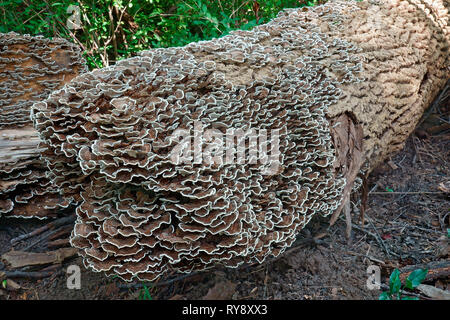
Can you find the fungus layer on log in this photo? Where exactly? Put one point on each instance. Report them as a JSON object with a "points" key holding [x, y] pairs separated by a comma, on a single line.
{"points": [[30, 68], [147, 206]]}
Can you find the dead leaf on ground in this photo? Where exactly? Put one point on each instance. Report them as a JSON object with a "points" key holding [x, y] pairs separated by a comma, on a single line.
{"points": [[12, 285], [392, 165], [444, 186], [223, 290], [434, 292]]}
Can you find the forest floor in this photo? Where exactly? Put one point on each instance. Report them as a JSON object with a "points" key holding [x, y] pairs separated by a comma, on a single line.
{"points": [[405, 227]]}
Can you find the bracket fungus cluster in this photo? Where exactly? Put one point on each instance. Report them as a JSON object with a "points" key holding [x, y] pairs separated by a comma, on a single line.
{"points": [[109, 141], [109, 134], [30, 69]]}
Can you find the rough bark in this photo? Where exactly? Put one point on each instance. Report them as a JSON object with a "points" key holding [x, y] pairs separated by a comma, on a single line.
{"points": [[344, 83], [30, 69]]}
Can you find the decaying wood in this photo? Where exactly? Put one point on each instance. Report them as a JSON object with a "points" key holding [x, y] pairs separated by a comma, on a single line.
{"points": [[30, 69], [18, 144], [352, 78], [436, 270], [434, 292], [18, 259], [344, 84], [29, 274], [406, 65], [58, 243]]}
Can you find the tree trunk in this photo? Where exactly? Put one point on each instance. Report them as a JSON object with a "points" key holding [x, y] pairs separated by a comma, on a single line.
{"points": [[339, 86]]}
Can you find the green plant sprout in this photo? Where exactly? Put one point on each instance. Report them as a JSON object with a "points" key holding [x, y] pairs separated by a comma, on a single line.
{"points": [[395, 285], [144, 294]]}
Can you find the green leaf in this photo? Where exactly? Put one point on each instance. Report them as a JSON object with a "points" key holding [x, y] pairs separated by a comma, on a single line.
{"points": [[415, 278], [144, 294], [394, 282], [409, 298], [204, 8], [384, 296], [249, 25], [147, 295]]}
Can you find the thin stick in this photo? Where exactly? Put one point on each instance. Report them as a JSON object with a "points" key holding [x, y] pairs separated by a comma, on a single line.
{"points": [[348, 219], [29, 275], [51, 225], [379, 239]]}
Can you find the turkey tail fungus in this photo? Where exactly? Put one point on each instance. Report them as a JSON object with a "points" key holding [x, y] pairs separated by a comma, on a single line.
{"points": [[340, 86], [30, 69]]}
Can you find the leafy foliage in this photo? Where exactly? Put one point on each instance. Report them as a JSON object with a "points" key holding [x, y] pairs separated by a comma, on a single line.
{"points": [[395, 285], [115, 29]]}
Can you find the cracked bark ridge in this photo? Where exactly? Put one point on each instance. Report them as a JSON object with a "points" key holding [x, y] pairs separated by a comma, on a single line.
{"points": [[405, 49], [108, 135], [31, 67]]}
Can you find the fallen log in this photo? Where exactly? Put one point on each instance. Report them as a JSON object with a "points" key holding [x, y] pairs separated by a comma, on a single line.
{"points": [[141, 144], [31, 68]]}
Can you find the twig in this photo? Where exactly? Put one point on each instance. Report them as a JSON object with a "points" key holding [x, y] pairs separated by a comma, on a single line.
{"points": [[243, 4], [364, 197], [379, 239], [58, 243], [49, 235], [36, 14], [51, 225], [64, 230], [114, 31], [376, 237], [29, 275], [367, 257], [348, 219]]}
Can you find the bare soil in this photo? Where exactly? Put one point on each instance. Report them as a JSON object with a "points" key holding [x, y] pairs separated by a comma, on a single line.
{"points": [[406, 223]]}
